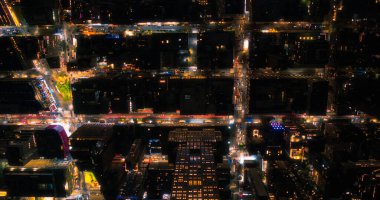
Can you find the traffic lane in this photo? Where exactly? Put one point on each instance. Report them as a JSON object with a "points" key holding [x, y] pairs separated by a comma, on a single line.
{"points": [[4, 14]]}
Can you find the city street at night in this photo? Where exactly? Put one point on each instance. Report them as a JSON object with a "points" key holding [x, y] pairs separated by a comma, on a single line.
{"points": [[189, 99]]}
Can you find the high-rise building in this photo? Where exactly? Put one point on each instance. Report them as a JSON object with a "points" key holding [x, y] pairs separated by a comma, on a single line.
{"points": [[195, 166], [40, 178], [159, 180], [21, 148], [52, 142]]}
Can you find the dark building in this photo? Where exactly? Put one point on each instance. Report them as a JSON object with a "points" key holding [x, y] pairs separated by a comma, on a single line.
{"points": [[288, 49], [194, 11], [362, 178], [273, 135], [347, 162], [103, 11], [100, 48], [358, 95], [126, 95], [314, 137], [196, 96], [92, 147], [264, 46], [18, 96], [3, 165], [147, 52], [134, 155], [357, 10], [223, 178], [317, 99], [41, 12], [255, 139], [22, 143], [312, 52], [5, 135], [290, 10], [114, 177], [280, 182], [268, 50], [159, 180], [54, 62], [348, 142], [125, 12], [17, 53], [345, 49], [161, 51], [21, 148], [117, 95], [319, 10], [52, 142], [98, 148], [234, 7], [215, 50], [275, 10], [346, 179], [93, 142], [259, 189], [173, 49], [40, 178], [355, 47], [354, 40], [288, 96]]}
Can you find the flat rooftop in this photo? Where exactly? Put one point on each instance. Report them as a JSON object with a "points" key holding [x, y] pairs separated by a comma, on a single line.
{"points": [[42, 164], [93, 132]]}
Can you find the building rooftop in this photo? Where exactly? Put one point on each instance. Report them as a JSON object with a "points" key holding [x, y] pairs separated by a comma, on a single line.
{"points": [[93, 132], [47, 163]]}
